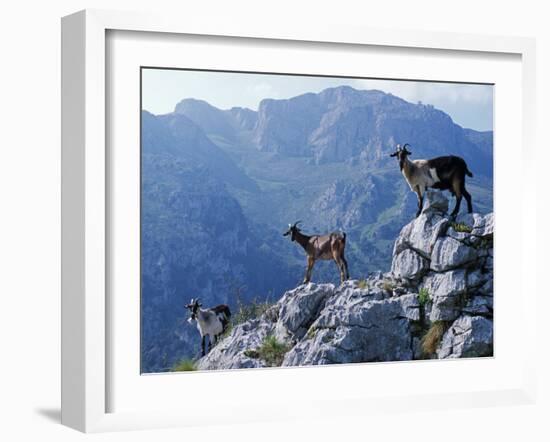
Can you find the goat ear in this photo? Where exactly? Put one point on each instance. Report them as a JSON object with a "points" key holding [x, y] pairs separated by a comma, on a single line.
{"points": [[393, 154]]}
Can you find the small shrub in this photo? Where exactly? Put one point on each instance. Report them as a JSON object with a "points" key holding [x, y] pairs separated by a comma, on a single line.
{"points": [[272, 351], [362, 284], [247, 312], [185, 365], [252, 354], [430, 341], [461, 227], [423, 296], [311, 333], [388, 286]]}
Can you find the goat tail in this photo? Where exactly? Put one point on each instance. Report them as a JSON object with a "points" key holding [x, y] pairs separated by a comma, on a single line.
{"points": [[225, 311], [344, 237], [470, 174], [222, 309]]}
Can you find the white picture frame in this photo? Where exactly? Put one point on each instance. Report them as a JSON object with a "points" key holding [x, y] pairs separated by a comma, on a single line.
{"points": [[86, 205]]}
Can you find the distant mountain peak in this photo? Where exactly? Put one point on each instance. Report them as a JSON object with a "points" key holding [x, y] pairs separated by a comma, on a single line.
{"points": [[188, 102], [341, 124]]}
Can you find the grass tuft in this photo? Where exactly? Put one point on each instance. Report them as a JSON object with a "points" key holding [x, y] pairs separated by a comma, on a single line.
{"points": [[185, 365], [388, 286], [252, 354], [362, 284], [311, 333], [272, 352], [461, 227], [247, 312], [430, 341]]}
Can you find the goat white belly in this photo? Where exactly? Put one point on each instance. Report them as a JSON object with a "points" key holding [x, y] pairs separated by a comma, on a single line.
{"points": [[433, 177]]}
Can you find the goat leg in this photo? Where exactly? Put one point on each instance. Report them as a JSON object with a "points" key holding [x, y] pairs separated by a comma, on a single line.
{"points": [[457, 206], [310, 262], [340, 265], [468, 199], [345, 267], [203, 345], [457, 188], [420, 196]]}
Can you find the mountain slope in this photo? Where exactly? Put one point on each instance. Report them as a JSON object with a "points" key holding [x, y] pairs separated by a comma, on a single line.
{"points": [[435, 303], [341, 123], [220, 186], [195, 239], [176, 135]]}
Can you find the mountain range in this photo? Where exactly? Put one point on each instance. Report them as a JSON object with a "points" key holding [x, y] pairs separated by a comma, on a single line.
{"points": [[220, 186]]}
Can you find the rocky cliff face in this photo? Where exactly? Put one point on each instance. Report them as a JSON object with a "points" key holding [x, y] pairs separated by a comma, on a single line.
{"points": [[435, 302], [344, 124]]}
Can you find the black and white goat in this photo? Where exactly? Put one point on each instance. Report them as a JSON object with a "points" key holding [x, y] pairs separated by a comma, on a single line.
{"points": [[211, 322], [325, 247], [445, 173]]}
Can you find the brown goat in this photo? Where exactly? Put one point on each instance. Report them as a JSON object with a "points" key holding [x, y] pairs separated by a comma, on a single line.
{"points": [[325, 247]]}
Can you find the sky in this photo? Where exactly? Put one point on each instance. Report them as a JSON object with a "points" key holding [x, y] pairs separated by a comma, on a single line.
{"points": [[469, 105]]}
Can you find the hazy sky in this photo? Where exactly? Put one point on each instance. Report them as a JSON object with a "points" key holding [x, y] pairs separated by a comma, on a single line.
{"points": [[468, 105]]}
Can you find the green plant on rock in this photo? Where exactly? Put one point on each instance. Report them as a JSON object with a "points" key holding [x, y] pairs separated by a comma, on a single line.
{"points": [[461, 227], [252, 354], [185, 365], [362, 284], [423, 296], [252, 310], [311, 333], [272, 351], [226, 332]]}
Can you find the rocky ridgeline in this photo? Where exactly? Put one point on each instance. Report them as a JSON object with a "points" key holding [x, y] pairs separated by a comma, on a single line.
{"points": [[436, 302]]}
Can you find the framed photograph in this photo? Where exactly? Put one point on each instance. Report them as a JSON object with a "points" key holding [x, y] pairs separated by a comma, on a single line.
{"points": [[302, 220]]}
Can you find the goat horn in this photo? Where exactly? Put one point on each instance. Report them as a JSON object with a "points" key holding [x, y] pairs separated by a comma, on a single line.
{"points": [[405, 145]]}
